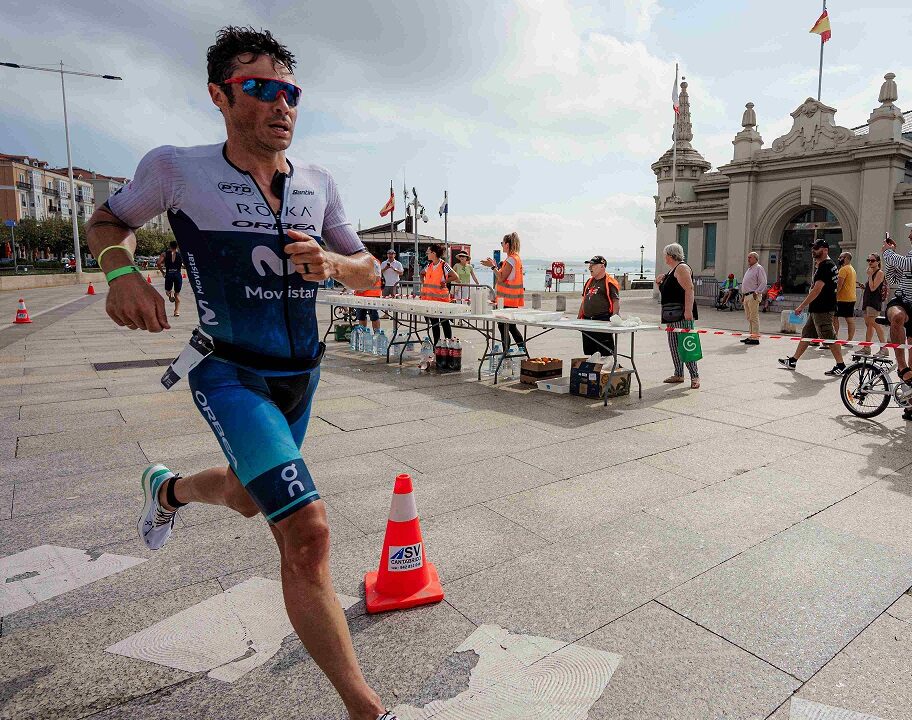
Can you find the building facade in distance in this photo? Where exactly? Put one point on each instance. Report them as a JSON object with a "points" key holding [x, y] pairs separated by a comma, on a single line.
{"points": [[819, 180], [30, 188]]}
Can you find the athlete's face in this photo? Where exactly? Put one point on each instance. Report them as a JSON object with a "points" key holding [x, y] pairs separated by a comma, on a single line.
{"points": [[269, 125]]}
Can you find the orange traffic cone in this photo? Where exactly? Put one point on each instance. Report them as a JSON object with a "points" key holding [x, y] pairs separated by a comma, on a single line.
{"points": [[22, 316], [405, 577], [148, 278], [90, 290]]}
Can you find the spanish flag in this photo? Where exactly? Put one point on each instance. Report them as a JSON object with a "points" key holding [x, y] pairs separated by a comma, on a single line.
{"points": [[390, 204], [822, 27]]}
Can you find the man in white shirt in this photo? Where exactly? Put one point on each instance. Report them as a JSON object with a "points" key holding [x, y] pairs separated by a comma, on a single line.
{"points": [[752, 287], [392, 270]]}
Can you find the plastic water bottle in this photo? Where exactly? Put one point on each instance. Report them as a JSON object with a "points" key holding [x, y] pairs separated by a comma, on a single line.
{"points": [[381, 343], [353, 338], [367, 342], [427, 353], [492, 359]]}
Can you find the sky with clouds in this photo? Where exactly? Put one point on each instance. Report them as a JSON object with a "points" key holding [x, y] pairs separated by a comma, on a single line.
{"points": [[540, 116]]}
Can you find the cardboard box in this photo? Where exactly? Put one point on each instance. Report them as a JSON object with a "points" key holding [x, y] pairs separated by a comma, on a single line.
{"points": [[589, 379], [535, 369]]}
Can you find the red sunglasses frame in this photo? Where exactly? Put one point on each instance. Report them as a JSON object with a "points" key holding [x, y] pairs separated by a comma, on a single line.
{"points": [[239, 80]]}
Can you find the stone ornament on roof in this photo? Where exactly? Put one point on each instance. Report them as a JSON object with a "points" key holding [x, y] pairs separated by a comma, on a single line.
{"points": [[749, 118], [889, 93], [813, 129]]}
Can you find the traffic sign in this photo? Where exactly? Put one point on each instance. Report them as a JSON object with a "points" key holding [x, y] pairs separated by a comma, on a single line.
{"points": [[557, 270], [10, 223]]}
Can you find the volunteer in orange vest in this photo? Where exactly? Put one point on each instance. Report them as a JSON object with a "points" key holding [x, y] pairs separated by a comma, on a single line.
{"points": [[601, 300], [434, 287], [509, 287], [361, 314]]}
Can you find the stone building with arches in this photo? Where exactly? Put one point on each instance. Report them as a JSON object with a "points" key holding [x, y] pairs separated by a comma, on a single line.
{"points": [[819, 180]]}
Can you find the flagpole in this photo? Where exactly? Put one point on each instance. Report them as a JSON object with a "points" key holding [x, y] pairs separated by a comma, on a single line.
{"points": [[392, 216], [674, 149], [820, 72]]}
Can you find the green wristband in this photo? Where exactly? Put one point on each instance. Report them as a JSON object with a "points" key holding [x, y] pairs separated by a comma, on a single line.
{"points": [[117, 272]]}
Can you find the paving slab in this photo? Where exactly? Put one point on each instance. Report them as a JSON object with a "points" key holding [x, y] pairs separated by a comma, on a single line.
{"points": [[436, 493], [72, 462], [567, 508], [593, 578], [797, 599], [871, 676], [672, 668]]}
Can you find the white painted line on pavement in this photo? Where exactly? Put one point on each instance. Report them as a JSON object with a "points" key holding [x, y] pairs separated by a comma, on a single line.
{"points": [[522, 676], [46, 571], [807, 710], [228, 634]]}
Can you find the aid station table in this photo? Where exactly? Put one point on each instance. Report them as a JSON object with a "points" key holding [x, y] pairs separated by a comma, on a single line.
{"points": [[411, 314]]}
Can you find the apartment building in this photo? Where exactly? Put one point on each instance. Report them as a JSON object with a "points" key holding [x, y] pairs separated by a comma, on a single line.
{"points": [[30, 188]]}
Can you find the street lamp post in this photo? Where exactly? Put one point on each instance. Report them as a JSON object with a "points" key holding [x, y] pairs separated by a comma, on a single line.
{"points": [[418, 212], [642, 250], [66, 129]]}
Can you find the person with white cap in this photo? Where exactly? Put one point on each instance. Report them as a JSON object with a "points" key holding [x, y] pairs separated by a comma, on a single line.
{"points": [[899, 309]]}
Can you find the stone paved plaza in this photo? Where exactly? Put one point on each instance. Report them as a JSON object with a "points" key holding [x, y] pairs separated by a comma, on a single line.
{"points": [[739, 552]]}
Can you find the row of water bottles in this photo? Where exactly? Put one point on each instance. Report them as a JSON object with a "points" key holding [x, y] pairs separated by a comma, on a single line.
{"points": [[364, 341]]}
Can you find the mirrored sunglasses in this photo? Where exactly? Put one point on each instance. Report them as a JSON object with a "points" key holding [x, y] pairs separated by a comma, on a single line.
{"points": [[267, 89]]}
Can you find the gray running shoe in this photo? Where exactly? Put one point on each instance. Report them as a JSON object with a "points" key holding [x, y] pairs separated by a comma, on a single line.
{"points": [[155, 524]]}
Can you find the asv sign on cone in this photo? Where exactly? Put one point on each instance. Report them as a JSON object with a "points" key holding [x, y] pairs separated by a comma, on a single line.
{"points": [[404, 557]]}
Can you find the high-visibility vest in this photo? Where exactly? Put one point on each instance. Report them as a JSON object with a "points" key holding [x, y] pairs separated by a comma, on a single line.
{"points": [[512, 290], [433, 280], [609, 281], [376, 290]]}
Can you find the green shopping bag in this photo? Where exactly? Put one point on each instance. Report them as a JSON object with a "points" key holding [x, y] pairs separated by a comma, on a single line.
{"points": [[689, 347]]}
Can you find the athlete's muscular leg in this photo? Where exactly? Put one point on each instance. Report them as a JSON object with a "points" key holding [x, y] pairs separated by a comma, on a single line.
{"points": [[314, 611], [898, 319], [216, 486]]}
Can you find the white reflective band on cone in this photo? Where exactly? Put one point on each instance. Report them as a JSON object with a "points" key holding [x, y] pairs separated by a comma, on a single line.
{"points": [[403, 508]]}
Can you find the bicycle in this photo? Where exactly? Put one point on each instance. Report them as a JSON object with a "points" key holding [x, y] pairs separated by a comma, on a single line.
{"points": [[868, 387]]}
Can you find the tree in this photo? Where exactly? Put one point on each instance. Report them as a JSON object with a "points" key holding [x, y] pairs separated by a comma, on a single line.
{"points": [[152, 242]]}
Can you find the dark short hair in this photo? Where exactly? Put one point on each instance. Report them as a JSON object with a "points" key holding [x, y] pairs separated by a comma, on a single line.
{"points": [[437, 249], [173, 244], [222, 58]]}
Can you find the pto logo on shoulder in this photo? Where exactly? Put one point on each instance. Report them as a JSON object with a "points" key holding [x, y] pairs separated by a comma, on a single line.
{"points": [[405, 557], [235, 188]]}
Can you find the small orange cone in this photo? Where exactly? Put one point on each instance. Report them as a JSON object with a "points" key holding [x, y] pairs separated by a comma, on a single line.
{"points": [[90, 290], [149, 279], [22, 316], [405, 577]]}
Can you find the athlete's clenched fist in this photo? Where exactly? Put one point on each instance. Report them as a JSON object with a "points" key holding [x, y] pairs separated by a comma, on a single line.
{"points": [[310, 260]]}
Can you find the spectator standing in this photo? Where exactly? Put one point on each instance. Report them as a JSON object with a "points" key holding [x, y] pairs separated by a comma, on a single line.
{"points": [[679, 309], [846, 295], [752, 286], [899, 309], [821, 305], [601, 300], [466, 274], [392, 270], [875, 292]]}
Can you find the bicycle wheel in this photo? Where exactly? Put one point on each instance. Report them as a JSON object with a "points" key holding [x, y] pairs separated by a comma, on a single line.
{"points": [[865, 390]]}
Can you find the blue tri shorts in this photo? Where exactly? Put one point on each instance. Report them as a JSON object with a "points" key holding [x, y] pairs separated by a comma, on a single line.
{"points": [[260, 419], [173, 280]]}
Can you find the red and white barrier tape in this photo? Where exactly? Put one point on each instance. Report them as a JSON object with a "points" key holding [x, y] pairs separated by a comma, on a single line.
{"points": [[818, 341]]}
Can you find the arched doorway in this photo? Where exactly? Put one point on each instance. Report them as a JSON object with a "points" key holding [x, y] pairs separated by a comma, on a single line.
{"points": [[800, 233]]}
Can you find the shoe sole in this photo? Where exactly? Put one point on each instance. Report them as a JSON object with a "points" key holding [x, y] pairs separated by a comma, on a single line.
{"points": [[148, 476]]}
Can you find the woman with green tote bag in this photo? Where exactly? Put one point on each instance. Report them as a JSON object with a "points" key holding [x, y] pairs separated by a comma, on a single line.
{"points": [[679, 310]]}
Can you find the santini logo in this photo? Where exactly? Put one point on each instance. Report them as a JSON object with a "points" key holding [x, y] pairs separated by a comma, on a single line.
{"points": [[235, 188], [405, 557], [264, 257]]}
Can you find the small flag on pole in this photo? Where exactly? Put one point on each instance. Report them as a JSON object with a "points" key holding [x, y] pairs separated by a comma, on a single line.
{"points": [[390, 205], [822, 27], [444, 206], [674, 93]]}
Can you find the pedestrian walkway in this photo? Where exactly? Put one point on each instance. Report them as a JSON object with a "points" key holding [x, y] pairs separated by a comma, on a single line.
{"points": [[742, 551]]}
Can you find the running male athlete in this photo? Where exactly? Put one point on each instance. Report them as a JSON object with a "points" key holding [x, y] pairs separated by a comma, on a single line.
{"points": [[257, 233], [169, 264]]}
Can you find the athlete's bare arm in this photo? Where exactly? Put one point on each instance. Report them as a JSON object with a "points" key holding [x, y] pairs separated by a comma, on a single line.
{"points": [[358, 271], [131, 301]]}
